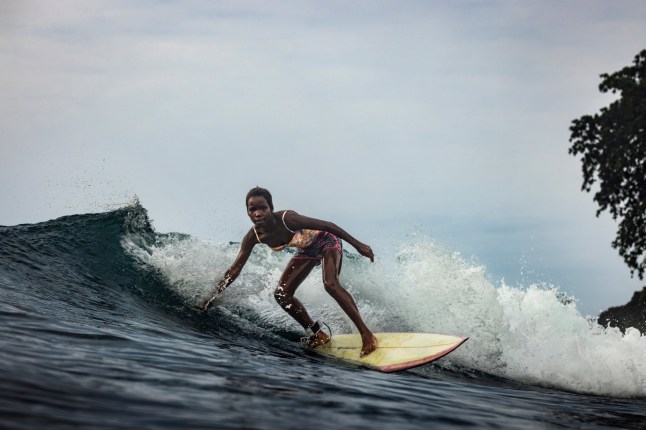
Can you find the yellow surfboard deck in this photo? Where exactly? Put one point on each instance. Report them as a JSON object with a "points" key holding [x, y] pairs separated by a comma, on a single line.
{"points": [[396, 351]]}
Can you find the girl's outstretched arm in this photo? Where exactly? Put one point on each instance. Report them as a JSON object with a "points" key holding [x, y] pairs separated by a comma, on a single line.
{"points": [[248, 242], [296, 221]]}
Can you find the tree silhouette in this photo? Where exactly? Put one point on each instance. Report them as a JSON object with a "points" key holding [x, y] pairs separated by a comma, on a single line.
{"points": [[612, 145]]}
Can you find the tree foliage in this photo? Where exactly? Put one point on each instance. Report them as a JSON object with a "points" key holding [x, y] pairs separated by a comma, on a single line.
{"points": [[612, 145]]}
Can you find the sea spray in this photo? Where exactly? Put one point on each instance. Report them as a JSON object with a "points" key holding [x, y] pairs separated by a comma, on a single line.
{"points": [[532, 334], [547, 342], [437, 291]]}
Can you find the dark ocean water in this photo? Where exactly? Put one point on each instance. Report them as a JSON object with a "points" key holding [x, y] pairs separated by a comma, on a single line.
{"points": [[97, 331]]}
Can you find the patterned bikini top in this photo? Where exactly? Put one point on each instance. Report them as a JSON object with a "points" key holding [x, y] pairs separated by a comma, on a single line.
{"points": [[301, 239]]}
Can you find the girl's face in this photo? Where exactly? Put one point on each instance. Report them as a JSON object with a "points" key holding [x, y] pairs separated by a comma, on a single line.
{"points": [[259, 211]]}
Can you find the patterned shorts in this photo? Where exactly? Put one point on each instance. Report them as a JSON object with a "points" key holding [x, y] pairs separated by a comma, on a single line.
{"points": [[314, 250]]}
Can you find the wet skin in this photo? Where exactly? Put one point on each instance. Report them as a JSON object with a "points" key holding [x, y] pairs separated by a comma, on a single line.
{"points": [[272, 232]]}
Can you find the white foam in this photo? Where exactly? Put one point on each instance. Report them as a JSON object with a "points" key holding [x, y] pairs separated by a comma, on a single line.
{"points": [[529, 334], [526, 333]]}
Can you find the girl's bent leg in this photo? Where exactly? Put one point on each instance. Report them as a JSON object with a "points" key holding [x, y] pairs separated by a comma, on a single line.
{"points": [[295, 273], [331, 267]]}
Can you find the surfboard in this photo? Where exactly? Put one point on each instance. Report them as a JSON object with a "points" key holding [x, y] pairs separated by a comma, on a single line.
{"points": [[396, 351]]}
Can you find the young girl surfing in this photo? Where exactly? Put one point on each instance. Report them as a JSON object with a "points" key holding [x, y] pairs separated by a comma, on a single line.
{"points": [[315, 241]]}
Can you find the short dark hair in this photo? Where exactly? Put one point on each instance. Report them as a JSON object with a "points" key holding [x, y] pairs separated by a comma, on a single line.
{"points": [[259, 192]]}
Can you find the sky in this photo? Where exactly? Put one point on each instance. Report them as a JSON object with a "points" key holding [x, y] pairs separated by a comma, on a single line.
{"points": [[387, 117]]}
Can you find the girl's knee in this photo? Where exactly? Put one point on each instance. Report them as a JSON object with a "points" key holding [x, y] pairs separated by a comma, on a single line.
{"points": [[281, 296], [332, 286]]}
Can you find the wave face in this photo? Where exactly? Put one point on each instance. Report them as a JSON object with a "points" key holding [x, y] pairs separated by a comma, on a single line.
{"points": [[97, 322]]}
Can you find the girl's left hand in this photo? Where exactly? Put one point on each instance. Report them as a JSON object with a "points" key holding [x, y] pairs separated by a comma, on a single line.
{"points": [[366, 251]]}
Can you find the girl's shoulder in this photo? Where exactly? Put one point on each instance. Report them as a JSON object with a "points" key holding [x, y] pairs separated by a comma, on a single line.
{"points": [[289, 214]]}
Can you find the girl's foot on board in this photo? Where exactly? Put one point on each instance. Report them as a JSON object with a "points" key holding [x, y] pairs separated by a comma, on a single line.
{"points": [[318, 339], [369, 344]]}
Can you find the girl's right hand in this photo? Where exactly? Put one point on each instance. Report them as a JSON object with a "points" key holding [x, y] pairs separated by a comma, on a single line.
{"points": [[205, 303]]}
